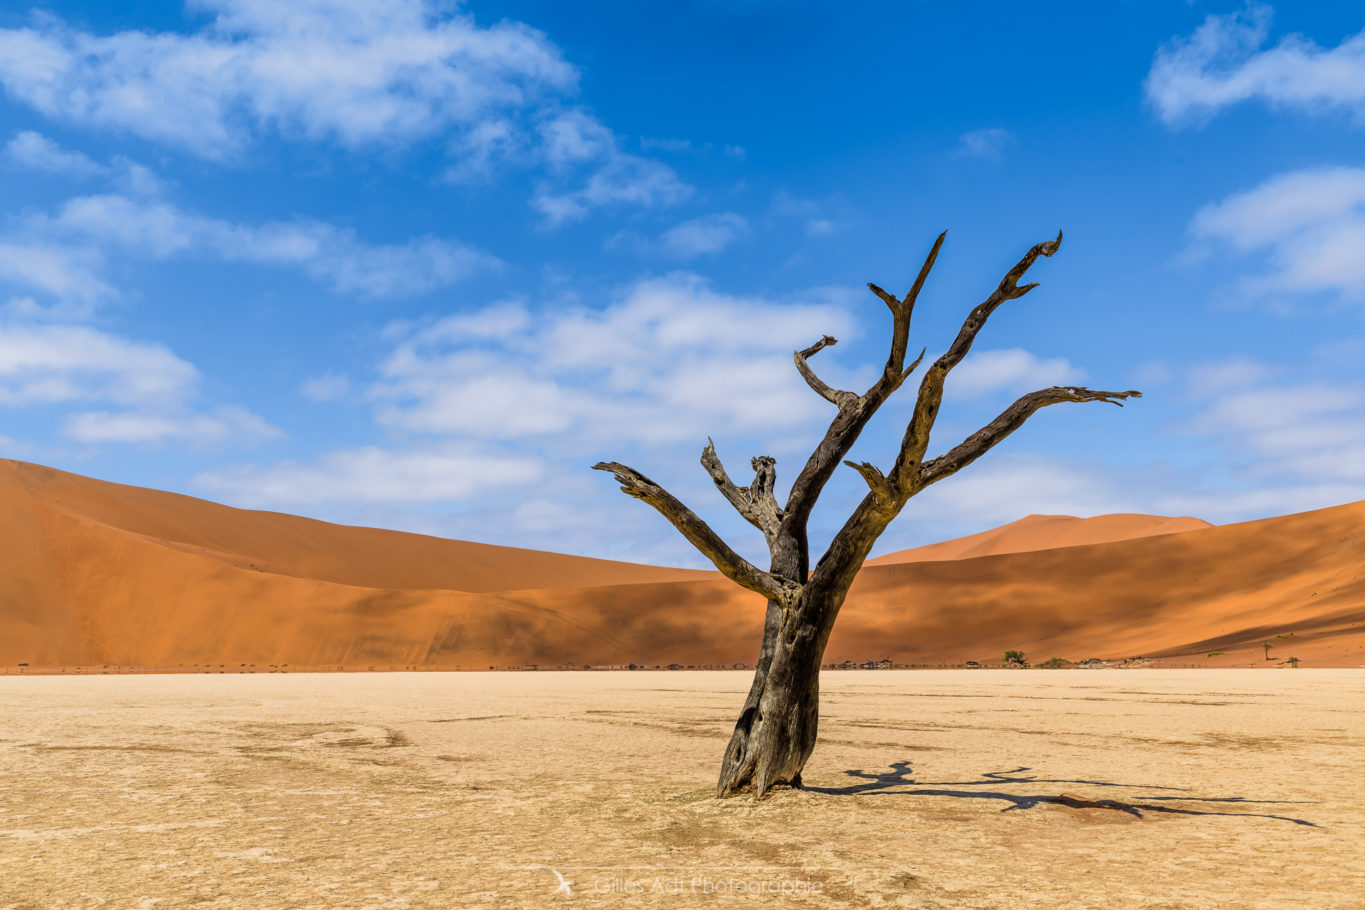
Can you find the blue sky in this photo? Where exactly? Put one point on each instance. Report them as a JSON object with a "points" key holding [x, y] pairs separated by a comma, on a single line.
{"points": [[418, 265]]}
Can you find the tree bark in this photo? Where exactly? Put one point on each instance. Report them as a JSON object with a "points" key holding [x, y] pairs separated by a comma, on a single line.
{"points": [[777, 727]]}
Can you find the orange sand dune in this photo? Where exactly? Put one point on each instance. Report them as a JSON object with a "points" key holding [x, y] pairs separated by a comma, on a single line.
{"points": [[93, 573], [1044, 532], [304, 548]]}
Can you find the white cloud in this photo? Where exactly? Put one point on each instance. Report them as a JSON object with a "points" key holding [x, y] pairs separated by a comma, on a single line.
{"points": [[1151, 373], [1222, 64], [1007, 486], [1310, 223], [478, 150], [37, 152], [666, 145], [59, 363], [1012, 369], [51, 365], [143, 427], [327, 387], [361, 74], [442, 472], [815, 216], [1308, 430], [669, 360], [1283, 447], [134, 178], [983, 143], [70, 275], [703, 235], [575, 136], [621, 179], [1218, 376], [326, 253], [355, 72]]}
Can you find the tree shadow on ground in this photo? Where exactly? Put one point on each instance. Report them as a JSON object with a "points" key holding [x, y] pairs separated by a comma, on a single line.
{"points": [[899, 781]]}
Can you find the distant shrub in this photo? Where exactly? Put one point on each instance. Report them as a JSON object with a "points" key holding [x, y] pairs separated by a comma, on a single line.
{"points": [[1055, 663], [1216, 653]]}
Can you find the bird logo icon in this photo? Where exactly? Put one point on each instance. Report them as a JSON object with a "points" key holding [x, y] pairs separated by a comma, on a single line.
{"points": [[564, 884]]}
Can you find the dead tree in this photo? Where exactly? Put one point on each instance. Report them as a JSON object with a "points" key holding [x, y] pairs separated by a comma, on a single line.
{"points": [[776, 730]]}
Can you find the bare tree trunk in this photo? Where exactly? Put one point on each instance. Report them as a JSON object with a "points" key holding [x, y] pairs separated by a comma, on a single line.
{"points": [[776, 731]]}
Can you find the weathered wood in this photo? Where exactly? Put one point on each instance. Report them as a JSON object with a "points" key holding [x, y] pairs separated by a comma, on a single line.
{"points": [[916, 439], [876, 480], [853, 416], [777, 726], [837, 397], [756, 503], [1011, 419], [699, 534]]}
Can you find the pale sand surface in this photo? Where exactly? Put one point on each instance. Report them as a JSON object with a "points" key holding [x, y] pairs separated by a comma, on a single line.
{"points": [[1230, 788]]}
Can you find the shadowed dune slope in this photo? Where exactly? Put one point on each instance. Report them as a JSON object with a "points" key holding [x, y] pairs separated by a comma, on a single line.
{"points": [[93, 573]]}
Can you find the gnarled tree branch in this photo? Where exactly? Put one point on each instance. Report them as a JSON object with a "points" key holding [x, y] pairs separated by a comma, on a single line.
{"points": [[699, 533], [846, 426], [901, 310], [1011, 419], [837, 397], [756, 503], [761, 489], [876, 480], [910, 474], [905, 473]]}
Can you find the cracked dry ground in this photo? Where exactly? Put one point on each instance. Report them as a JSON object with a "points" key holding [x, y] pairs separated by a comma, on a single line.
{"points": [[928, 789]]}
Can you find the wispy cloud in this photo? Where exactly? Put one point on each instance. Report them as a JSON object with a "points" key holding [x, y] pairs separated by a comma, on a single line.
{"points": [[670, 359], [33, 151], [703, 235], [1223, 63], [356, 73], [73, 276], [1010, 369], [58, 363], [1289, 446], [37, 152], [327, 387], [140, 427], [650, 144], [47, 365], [1309, 225], [983, 143], [1010, 485], [619, 179], [419, 474], [817, 217], [86, 227]]}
